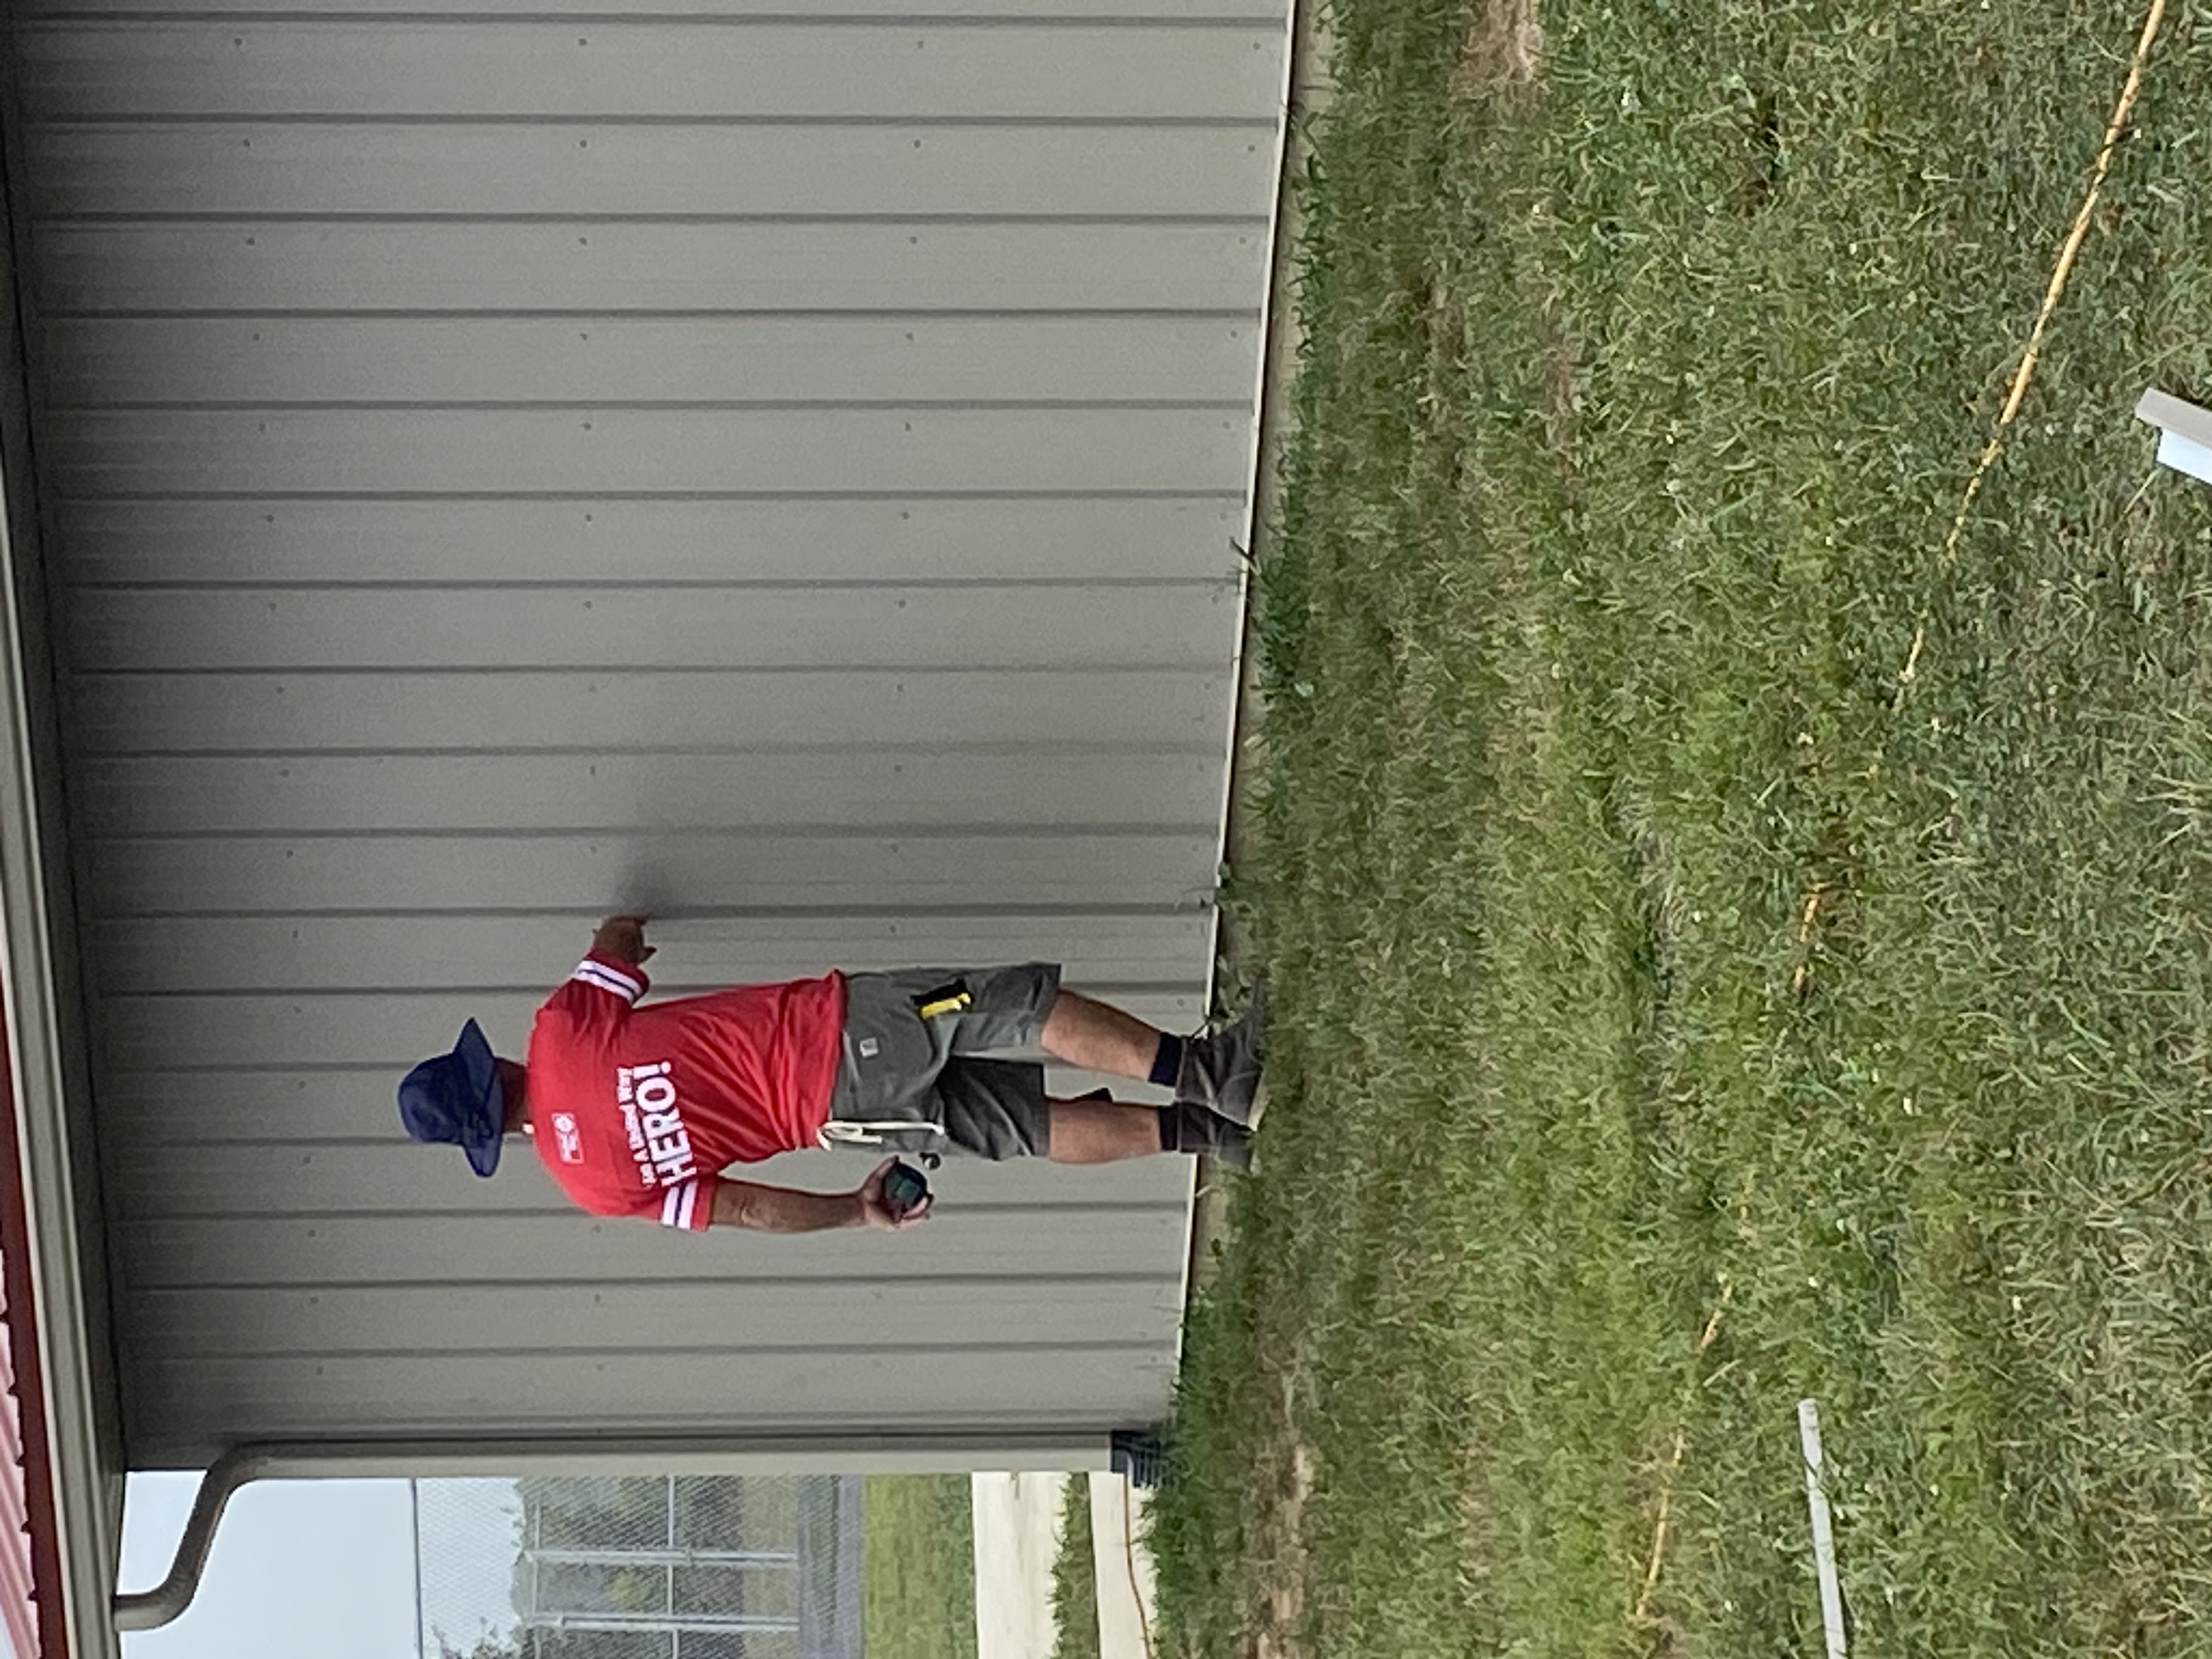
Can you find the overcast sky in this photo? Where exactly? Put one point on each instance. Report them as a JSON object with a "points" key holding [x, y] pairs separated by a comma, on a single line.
{"points": [[302, 1570]]}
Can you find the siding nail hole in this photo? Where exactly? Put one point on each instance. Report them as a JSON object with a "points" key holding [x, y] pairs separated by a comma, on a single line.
{"points": [[587, 426], [237, 40], [909, 334], [583, 40], [917, 144], [909, 426], [911, 242], [904, 515], [583, 242], [583, 143], [587, 518], [250, 241], [587, 605], [257, 339]]}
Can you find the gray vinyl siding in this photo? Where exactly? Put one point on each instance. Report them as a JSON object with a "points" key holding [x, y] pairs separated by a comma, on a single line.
{"points": [[777, 466]]}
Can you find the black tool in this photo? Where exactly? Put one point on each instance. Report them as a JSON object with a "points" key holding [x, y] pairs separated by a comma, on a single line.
{"points": [[905, 1190]]}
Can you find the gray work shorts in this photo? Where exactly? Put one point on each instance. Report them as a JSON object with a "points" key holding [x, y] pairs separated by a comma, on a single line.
{"points": [[914, 1076]]}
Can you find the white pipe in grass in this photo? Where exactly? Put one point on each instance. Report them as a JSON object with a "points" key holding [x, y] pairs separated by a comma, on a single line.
{"points": [[2185, 433], [1824, 1532]]}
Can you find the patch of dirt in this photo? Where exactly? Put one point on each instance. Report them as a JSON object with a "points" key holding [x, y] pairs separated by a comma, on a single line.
{"points": [[1282, 1604], [1825, 938], [1759, 165], [1446, 329], [1503, 57], [1561, 406], [1665, 910], [1279, 1562]]}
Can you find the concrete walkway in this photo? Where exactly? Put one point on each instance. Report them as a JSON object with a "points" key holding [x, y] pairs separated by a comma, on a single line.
{"points": [[1016, 1539], [1126, 1594]]}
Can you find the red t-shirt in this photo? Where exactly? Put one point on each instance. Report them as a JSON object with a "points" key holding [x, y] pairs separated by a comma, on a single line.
{"points": [[636, 1110]]}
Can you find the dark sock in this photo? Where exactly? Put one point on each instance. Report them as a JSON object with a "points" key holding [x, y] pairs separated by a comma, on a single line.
{"points": [[1167, 1062], [1170, 1141]]}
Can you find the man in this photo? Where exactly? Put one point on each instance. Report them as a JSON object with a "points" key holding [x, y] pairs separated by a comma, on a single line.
{"points": [[636, 1110]]}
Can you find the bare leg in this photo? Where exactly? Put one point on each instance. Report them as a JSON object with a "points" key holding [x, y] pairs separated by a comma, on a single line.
{"points": [[1108, 1131], [1101, 1132], [1083, 1031]]}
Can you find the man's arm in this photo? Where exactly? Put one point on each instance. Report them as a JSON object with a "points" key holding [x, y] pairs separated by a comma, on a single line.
{"points": [[784, 1210]]}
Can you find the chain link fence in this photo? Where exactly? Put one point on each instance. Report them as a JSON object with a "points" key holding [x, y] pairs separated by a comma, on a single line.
{"points": [[659, 1567]]}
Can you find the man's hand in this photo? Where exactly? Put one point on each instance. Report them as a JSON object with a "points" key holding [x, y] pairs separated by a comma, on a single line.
{"points": [[878, 1214], [622, 938]]}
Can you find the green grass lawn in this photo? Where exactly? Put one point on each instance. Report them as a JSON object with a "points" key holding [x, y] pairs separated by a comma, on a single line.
{"points": [[918, 1567], [1641, 948]]}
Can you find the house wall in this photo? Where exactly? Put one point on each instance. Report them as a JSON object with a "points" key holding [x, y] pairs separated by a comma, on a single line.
{"points": [[776, 468]]}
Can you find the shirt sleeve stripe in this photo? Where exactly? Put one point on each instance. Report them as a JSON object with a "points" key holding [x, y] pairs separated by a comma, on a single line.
{"points": [[608, 979], [680, 1206], [612, 979]]}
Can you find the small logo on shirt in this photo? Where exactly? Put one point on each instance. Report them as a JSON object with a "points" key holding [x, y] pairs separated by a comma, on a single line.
{"points": [[656, 1124], [569, 1143], [869, 1048]]}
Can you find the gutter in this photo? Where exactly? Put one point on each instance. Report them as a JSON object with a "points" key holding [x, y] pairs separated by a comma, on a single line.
{"points": [[46, 1213], [31, 1607], [73, 1554]]}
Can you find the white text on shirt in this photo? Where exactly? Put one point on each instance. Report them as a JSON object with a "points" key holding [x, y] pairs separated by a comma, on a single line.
{"points": [[654, 1122]]}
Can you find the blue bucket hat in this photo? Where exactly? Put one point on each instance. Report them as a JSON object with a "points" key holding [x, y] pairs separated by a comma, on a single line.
{"points": [[456, 1100]]}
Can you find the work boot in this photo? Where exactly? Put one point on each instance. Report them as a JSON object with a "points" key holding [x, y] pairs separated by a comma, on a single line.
{"points": [[1221, 1069], [1199, 1131]]}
